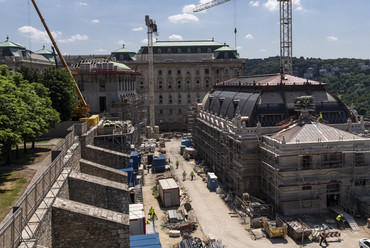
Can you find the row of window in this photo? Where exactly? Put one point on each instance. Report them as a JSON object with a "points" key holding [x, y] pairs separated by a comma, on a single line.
{"points": [[179, 101], [184, 50], [179, 84], [197, 72], [170, 111]]}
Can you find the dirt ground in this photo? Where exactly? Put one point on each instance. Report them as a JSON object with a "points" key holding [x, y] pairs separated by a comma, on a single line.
{"points": [[216, 219]]}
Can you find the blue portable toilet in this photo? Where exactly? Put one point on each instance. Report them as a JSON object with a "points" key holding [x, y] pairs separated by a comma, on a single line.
{"points": [[150, 159], [212, 183], [131, 176]]}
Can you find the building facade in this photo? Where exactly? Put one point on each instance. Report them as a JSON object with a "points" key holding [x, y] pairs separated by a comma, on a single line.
{"points": [[15, 56], [184, 72], [108, 87], [239, 132]]}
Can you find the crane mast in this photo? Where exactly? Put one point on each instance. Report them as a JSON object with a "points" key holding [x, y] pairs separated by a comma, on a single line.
{"points": [[285, 31], [81, 111], [286, 36], [152, 28], [208, 5]]}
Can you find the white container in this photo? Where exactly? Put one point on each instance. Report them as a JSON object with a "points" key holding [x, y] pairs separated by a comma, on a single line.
{"points": [[169, 192], [137, 219]]}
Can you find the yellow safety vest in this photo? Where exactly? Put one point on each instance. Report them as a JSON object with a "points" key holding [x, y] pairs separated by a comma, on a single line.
{"points": [[339, 217], [323, 234]]}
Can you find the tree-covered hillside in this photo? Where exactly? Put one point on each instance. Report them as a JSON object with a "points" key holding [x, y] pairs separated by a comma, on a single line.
{"points": [[349, 79]]}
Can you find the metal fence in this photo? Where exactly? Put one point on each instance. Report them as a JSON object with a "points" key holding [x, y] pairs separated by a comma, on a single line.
{"points": [[25, 207]]}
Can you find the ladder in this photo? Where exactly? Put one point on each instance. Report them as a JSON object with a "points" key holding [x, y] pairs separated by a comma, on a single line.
{"points": [[352, 223]]}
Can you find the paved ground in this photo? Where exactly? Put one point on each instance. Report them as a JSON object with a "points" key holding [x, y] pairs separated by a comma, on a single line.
{"points": [[214, 218]]}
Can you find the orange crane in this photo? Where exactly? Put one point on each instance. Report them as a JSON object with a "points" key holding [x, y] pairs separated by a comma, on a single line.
{"points": [[84, 109]]}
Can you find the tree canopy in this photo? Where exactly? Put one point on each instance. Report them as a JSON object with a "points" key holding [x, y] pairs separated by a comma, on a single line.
{"points": [[25, 109], [62, 93]]}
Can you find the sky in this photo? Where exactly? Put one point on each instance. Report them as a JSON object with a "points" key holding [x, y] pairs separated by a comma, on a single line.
{"points": [[321, 28]]}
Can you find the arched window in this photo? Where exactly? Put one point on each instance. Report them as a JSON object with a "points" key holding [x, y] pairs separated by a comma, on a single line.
{"points": [[169, 84], [188, 50], [159, 50], [141, 85], [179, 50], [179, 84], [207, 83], [169, 50], [199, 50], [160, 84]]}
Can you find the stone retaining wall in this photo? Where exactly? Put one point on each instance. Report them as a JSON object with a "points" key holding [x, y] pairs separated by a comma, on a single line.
{"points": [[99, 170], [80, 225], [98, 192], [107, 157]]}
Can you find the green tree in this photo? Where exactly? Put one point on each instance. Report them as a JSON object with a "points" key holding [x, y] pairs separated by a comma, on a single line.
{"points": [[62, 92], [25, 110]]}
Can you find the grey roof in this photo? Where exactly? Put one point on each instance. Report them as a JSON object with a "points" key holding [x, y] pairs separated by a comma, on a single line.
{"points": [[270, 100], [311, 131], [8, 43], [123, 50]]}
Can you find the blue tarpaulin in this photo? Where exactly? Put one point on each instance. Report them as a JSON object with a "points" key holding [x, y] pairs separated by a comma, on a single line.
{"points": [[145, 241], [131, 176]]}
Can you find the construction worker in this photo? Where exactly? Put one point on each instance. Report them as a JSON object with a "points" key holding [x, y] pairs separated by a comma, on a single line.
{"points": [[192, 175], [153, 216], [340, 221], [183, 175], [323, 238], [177, 164]]}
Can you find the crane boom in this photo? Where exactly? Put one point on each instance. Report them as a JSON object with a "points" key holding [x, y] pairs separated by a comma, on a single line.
{"points": [[84, 109], [286, 37], [208, 5]]}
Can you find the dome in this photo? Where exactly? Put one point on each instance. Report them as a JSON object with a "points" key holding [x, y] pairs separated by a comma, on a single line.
{"points": [[271, 99], [123, 54]]}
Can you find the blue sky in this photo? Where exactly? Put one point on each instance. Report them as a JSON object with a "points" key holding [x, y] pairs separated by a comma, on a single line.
{"points": [[321, 28]]}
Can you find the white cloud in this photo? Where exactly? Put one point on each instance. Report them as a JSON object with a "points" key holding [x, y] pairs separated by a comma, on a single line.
{"points": [[188, 8], [239, 48], [254, 3], [100, 50], [137, 29], [271, 5], [332, 38], [175, 37], [262, 50], [81, 3], [183, 18], [95, 21], [249, 37], [37, 35], [74, 38]]}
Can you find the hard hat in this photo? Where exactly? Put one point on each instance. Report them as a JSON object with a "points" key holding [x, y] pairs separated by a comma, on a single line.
{"points": [[341, 214]]}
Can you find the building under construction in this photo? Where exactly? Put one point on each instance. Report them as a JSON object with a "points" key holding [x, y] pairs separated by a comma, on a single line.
{"points": [[284, 139]]}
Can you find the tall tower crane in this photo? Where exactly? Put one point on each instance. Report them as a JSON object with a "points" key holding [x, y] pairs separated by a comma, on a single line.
{"points": [[152, 28], [286, 37], [285, 30]]}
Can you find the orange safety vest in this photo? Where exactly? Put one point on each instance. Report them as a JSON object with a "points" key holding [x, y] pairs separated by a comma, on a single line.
{"points": [[323, 234]]}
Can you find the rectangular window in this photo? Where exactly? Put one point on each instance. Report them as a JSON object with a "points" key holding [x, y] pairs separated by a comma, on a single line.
{"points": [[359, 159], [101, 85], [306, 187], [306, 162]]}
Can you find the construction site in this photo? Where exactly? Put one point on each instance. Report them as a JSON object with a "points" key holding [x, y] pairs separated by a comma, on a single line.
{"points": [[268, 160]]}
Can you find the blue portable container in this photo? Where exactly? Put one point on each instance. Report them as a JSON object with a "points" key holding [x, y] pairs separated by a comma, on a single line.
{"points": [[131, 176], [136, 159], [186, 142], [159, 164]]}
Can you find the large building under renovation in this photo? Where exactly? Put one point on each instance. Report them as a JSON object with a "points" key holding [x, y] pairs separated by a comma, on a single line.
{"points": [[184, 72], [285, 139]]}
